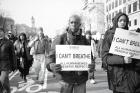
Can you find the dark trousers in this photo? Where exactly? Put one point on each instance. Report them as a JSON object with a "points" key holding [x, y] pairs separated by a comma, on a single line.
{"points": [[73, 88], [5, 88]]}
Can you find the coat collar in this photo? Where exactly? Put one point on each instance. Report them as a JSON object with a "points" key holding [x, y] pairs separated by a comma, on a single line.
{"points": [[2, 41]]}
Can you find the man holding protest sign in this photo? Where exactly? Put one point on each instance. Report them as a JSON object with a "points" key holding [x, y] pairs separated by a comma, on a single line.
{"points": [[73, 81], [122, 73]]}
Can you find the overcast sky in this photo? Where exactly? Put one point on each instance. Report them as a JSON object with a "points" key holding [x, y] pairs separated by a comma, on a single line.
{"points": [[50, 14]]}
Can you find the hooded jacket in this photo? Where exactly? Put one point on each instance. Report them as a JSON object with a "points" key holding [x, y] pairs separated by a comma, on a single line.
{"points": [[121, 77], [72, 77]]}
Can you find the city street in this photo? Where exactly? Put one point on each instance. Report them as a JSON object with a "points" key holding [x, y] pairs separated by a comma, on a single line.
{"points": [[32, 86], [70, 33]]}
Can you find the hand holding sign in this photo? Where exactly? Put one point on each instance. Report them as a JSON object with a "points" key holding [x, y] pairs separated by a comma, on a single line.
{"points": [[125, 43], [128, 60], [55, 67], [91, 67], [73, 57]]}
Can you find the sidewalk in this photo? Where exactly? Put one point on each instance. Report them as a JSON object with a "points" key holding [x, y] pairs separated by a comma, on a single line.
{"points": [[101, 85]]}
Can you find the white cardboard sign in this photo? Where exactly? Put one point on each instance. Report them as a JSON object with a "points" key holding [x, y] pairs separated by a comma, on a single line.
{"points": [[73, 57], [125, 43]]}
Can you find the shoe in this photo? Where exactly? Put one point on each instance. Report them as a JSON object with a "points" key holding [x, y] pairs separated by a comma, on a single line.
{"points": [[92, 81]]}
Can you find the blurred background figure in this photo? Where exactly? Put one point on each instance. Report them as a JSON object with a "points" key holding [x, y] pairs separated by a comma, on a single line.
{"points": [[7, 61], [11, 36], [24, 58], [93, 50], [40, 49]]}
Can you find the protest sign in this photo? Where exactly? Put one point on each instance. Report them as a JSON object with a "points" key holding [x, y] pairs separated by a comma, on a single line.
{"points": [[73, 57], [126, 43]]}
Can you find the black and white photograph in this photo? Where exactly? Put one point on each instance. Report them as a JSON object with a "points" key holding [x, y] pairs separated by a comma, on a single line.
{"points": [[69, 46]]}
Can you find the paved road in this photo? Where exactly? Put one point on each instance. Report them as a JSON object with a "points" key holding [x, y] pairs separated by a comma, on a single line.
{"points": [[18, 86]]}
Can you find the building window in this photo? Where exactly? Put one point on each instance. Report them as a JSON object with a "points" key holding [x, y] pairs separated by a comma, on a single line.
{"points": [[113, 15], [109, 7], [124, 10], [124, 1], [120, 2], [120, 10], [139, 4], [109, 16], [116, 3], [106, 9], [129, 8], [112, 5], [135, 6], [135, 22], [116, 12], [129, 23]]}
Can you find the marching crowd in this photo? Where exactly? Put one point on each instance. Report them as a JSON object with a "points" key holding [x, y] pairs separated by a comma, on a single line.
{"points": [[20, 53]]}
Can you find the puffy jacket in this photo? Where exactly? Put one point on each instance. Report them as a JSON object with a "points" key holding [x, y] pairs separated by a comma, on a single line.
{"points": [[71, 77]]}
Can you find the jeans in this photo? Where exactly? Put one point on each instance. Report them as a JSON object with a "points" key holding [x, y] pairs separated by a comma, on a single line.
{"points": [[40, 66]]}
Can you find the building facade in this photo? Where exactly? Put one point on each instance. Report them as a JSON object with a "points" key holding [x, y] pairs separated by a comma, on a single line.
{"points": [[130, 7], [93, 11]]}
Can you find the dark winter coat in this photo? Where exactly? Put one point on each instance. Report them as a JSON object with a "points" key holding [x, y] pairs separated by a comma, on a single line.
{"points": [[7, 55], [121, 77], [17, 45], [72, 77]]}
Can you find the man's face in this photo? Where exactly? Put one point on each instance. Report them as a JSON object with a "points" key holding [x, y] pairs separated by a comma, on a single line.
{"points": [[1, 34], [74, 24], [40, 33]]}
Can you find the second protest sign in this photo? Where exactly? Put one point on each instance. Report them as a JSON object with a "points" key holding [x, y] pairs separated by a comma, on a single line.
{"points": [[126, 43]]}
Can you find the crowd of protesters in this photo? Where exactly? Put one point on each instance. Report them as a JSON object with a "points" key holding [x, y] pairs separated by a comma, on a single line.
{"points": [[39, 53], [15, 54]]}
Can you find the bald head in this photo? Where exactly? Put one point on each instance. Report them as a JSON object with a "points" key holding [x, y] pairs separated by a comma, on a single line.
{"points": [[74, 23], [77, 17]]}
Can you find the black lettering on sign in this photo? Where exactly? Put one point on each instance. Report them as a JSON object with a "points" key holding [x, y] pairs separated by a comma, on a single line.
{"points": [[80, 56], [120, 40], [135, 43], [64, 55]]}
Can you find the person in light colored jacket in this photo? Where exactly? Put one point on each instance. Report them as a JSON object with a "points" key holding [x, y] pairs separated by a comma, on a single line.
{"points": [[40, 47]]}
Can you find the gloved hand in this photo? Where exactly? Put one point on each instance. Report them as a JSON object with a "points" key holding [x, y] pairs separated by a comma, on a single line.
{"points": [[55, 67], [91, 67]]}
